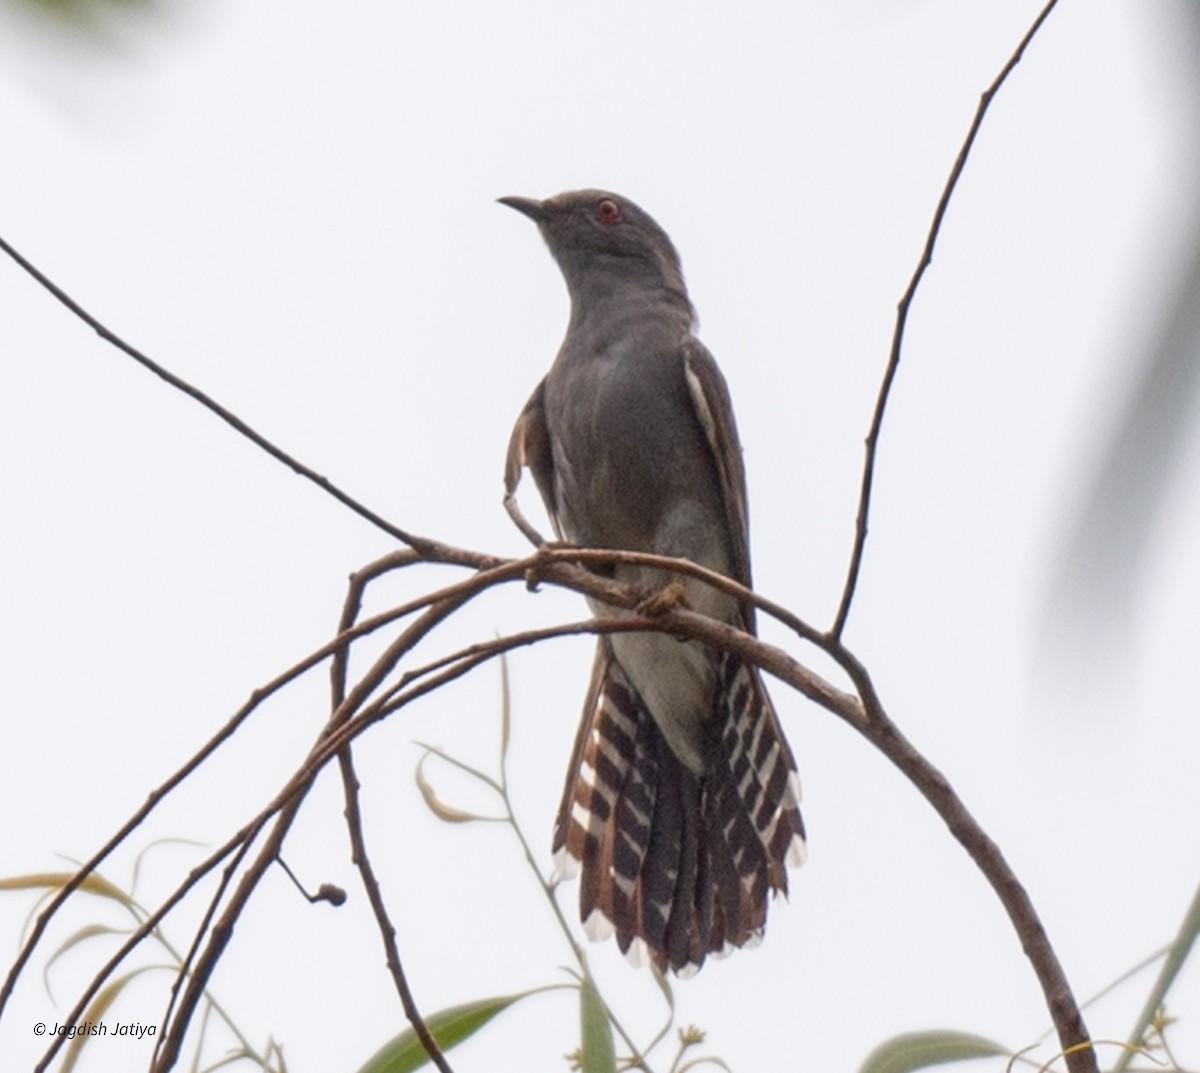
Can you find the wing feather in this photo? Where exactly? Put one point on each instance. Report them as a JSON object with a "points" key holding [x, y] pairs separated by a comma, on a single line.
{"points": [[714, 410], [529, 446]]}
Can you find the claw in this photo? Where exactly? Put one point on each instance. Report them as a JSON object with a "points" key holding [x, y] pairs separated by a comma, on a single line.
{"points": [[665, 599]]}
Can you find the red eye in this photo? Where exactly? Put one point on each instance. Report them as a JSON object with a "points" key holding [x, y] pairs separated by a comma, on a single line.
{"points": [[608, 211]]}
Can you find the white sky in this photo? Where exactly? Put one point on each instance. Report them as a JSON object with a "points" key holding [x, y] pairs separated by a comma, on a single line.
{"points": [[292, 207]]}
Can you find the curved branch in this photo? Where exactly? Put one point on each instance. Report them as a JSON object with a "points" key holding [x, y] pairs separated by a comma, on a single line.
{"points": [[864, 712], [354, 715], [156, 796], [881, 732], [608, 557]]}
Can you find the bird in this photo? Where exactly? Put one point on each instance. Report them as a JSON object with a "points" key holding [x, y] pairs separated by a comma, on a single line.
{"points": [[680, 813]]}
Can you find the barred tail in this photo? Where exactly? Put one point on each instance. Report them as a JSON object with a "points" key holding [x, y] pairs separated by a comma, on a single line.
{"points": [[678, 865]]}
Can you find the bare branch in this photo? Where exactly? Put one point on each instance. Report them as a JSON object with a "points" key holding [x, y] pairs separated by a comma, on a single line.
{"points": [[609, 557], [353, 812], [936, 789], [872, 442], [156, 796], [215, 407], [359, 580], [240, 839], [387, 930], [863, 711], [220, 933], [353, 715], [152, 802], [287, 805]]}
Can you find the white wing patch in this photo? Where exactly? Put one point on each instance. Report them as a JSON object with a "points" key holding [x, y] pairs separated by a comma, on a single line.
{"points": [[703, 410]]}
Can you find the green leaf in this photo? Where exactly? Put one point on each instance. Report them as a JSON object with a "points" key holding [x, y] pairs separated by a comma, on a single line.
{"points": [[919, 1050], [448, 1027], [1177, 954], [597, 1053]]}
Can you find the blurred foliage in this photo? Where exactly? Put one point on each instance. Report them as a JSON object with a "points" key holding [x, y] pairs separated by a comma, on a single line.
{"points": [[268, 1058], [87, 10]]}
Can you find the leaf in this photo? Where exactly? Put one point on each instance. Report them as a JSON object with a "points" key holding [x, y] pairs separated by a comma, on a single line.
{"points": [[1177, 954], [93, 883], [505, 710], [597, 1053], [137, 864], [448, 1027], [708, 1060], [105, 997], [935, 1047], [50, 883], [445, 813], [86, 932]]}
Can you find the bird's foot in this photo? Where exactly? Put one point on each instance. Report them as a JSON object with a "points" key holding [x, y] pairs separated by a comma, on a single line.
{"points": [[661, 601]]}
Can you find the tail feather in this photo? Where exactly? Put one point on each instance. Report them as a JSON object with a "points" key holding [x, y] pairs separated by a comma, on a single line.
{"points": [[635, 817], [678, 865]]}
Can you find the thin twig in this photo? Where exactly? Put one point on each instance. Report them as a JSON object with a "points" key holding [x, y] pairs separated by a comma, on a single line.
{"points": [[499, 645], [215, 407], [387, 930], [353, 812], [157, 795], [135, 939], [340, 665], [287, 804], [221, 932], [250, 833], [872, 442], [1176, 955], [152, 801]]}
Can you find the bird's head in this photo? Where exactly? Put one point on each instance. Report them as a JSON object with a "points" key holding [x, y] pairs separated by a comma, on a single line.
{"points": [[601, 240]]}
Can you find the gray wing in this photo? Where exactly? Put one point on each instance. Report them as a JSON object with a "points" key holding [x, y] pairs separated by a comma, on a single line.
{"points": [[529, 446], [714, 410]]}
